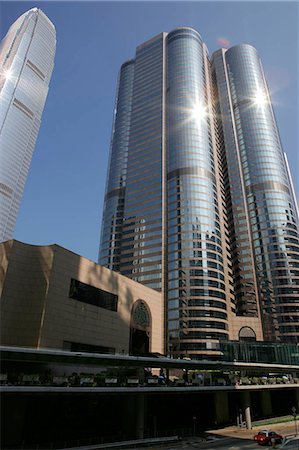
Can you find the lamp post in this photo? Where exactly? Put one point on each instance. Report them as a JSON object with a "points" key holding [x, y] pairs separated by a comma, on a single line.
{"points": [[194, 420], [295, 418]]}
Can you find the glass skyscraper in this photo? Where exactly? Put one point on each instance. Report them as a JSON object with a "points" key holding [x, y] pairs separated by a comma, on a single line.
{"points": [[26, 63], [199, 203]]}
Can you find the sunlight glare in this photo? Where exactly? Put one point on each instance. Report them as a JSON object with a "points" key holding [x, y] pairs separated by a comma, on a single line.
{"points": [[7, 74], [198, 112], [260, 98]]}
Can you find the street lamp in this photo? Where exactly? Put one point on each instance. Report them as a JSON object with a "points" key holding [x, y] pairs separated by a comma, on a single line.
{"points": [[194, 420], [295, 418]]}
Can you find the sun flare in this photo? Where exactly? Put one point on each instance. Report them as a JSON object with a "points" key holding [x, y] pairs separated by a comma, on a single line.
{"points": [[198, 112], [260, 98], [7, 74]]}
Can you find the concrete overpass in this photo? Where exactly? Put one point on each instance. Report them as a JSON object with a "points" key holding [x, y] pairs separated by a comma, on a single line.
{"points": [[143, 409]]}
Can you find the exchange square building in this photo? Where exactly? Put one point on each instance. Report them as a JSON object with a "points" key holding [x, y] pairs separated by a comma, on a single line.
{"points": [[199, 203]]}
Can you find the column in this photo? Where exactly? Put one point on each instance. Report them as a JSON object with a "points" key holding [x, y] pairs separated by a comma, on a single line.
{"points": [[266, 404], [15, 407], [140, 415], [128, 422], [245, 402], [221, 407]]}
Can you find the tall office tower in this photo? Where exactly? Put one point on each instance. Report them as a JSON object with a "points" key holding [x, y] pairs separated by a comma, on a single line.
{"points": [[184, 209], [262, 205], [26, 63]]}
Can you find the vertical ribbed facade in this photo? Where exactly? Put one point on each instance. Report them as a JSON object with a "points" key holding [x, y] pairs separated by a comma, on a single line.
{"points": [[205, 211], [134, 196], [26, 64], [241, 247], [141, 248], [112, 226]]}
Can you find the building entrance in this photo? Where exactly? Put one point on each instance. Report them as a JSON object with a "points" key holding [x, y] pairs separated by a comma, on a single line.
{"points": [[140, 329]]}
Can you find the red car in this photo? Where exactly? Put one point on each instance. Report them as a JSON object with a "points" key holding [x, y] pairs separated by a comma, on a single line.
{"points": [[267, 437]]}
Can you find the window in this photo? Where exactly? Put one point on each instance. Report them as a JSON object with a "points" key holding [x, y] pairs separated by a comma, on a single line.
{"points": [[92, 295], [88, 348]]}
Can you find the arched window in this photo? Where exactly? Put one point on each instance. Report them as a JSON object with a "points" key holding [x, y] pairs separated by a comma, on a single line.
{"points": [[140, 329], [141, 315], [247, 334]]}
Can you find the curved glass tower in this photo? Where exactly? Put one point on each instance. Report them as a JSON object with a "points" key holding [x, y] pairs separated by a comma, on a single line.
{"points": [[196, 294], [262, 195], [137, 150], [198, 201], [117, 173], [26, 63]]}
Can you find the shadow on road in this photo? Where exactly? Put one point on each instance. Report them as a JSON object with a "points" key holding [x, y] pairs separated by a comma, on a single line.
{"points": [[211, 442]]}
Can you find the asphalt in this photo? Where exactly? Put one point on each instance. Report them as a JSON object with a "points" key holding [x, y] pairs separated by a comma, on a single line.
{"points": [[285, 428], [228, 438]]}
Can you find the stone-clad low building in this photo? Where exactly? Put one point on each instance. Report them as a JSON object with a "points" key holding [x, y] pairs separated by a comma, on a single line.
{"points": [[54, 298]]}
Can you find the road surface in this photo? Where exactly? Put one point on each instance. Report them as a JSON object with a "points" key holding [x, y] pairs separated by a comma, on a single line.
{"points": [[230, 438]]}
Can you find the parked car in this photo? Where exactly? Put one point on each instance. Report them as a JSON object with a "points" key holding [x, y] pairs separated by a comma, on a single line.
{"points": [[266, 437], [290, 443]]}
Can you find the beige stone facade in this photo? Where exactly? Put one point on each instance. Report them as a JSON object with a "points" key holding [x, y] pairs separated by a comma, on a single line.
{"points": [[242, 323], [37, 309]]}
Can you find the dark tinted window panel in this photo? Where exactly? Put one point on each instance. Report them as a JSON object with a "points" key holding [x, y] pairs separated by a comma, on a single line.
{"points": [[86, 348], [92, 295]]}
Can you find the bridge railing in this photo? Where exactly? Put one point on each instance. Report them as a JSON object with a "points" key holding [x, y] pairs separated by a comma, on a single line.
{"points": [[98, 380]]}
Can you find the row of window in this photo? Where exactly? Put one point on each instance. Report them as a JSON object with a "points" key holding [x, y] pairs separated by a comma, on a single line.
{"points": [[186, 324], [183, 303], [187, 312], [186, 335], [195, 282]]}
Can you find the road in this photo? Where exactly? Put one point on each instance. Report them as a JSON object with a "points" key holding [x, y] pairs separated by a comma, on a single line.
{"points": [[219, 444], [228, 443], [230, 438], [222, 444]]}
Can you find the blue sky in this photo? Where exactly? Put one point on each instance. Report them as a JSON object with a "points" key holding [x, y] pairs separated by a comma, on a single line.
{"points": [[63, 198]]}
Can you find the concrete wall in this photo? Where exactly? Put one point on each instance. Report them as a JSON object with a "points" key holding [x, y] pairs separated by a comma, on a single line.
{"points": [[24, 290]]}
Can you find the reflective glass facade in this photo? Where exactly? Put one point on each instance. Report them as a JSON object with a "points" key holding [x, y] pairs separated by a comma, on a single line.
{"points": [[264, 218], [263, 352], [196, 280], [112, 225], [141, 248], [246, 297], [26, 63], [132, 223], [204, 207]]}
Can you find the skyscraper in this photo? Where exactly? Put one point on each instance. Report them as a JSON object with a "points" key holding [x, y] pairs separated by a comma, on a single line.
{"points": [[199, 203], [263, 217], [26, 63]]}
